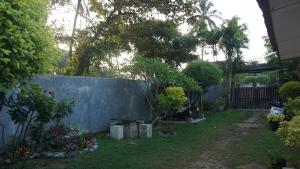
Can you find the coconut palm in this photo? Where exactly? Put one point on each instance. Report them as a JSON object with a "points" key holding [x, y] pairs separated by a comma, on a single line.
{"points": [[207, 13]]}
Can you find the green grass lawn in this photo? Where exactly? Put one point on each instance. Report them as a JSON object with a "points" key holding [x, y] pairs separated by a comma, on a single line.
{"points": [[170, 152], [258, 147]]}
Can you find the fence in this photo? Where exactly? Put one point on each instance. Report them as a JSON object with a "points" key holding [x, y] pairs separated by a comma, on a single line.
{"points": [[254, 97]]}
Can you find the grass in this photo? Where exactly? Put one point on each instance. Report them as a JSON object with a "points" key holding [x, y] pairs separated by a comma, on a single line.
{"points": [[259, 147], [171, 152]]}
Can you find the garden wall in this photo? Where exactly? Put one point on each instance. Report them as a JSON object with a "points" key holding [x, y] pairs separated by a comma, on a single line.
{"points": [[97, 100], [213, 93]]}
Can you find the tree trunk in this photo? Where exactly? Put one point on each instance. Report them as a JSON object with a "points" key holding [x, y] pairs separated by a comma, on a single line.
{"points": [[202, 52], [73, 30], [83, 62], [229, 79]]}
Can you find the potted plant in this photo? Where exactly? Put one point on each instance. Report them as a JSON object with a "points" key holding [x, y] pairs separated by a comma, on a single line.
{"points": [[274, 120], [220, 103]]}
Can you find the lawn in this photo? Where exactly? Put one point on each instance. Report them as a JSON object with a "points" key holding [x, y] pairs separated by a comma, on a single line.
{"points": [[172, 152]]}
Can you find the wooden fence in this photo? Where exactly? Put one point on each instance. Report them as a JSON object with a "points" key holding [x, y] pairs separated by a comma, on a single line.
{"points": [[254, 97]]}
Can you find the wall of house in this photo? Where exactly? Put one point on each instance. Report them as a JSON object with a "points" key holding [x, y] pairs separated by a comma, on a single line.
{"points": [[97, 101]]}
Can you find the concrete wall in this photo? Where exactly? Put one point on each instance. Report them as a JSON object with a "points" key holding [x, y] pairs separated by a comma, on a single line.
{"points": [[212, 93], [97, 100]]}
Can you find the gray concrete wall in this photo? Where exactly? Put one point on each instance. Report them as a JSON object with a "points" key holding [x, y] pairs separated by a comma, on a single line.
{"points": [[97, 100], [212, 93]]}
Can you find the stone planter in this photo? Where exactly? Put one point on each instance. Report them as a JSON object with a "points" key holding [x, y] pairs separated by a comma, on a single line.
{"points": [[117, 132], [130, 129], [145, 130]]}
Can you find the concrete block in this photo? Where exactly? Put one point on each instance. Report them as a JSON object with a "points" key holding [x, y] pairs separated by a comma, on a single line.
{"points": [[146, 130], [117, 132], [130, 130]]}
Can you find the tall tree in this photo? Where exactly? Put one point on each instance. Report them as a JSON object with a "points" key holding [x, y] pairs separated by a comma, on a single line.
{"points": [[122, 14], [78, 7], [161, 39], [200, 30], [207, 13], [234, 39]]}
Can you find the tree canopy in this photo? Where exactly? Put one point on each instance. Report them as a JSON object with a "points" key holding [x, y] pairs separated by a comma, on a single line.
{"points": [[161, 39], [113, 17], [205, 73]]}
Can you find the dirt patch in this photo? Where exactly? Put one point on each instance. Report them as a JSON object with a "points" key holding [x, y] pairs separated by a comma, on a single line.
{"points": [[252, 166], [207, 159]]}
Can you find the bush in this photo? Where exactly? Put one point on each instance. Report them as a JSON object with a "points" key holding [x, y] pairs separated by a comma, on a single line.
{"points": [[275, 117], [290, 90], [32, 109], [290, 132], [293, 106], [172, 100], [204, 73]]}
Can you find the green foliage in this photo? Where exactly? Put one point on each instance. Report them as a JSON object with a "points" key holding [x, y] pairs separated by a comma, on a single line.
{"points": [[32, 108], [157, 76], [234, 38], [161, 39], [172, 100], [275, 117], [290, 90], [207, 13], [113, 24], [290, 132], [63, 109], [204, 73], [31, 101], [151, 71], [260, 78], [26, 46], [187, 83], [293, 106]]}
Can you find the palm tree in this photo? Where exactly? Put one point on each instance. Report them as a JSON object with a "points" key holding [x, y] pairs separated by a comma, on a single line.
{"points": [[234, 39], [207, 13]]}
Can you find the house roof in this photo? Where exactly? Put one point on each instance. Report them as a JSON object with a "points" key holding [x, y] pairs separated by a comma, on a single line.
{"points": [[282, 19]]}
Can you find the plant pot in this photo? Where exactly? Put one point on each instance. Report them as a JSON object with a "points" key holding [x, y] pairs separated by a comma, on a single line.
{"points": [[274, 125]]}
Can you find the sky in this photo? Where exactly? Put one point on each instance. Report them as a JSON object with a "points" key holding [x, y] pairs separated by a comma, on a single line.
{"points": [[247, 10]]}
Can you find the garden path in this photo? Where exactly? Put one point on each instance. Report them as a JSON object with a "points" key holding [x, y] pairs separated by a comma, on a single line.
{"points": [[210, 157]]}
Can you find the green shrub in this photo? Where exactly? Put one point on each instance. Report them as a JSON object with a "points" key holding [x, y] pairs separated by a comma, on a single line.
{"points": [[293, 106], [32, 108], [290, 132], [172, 100], [290, 90], [275, 117], [205, 73]]}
